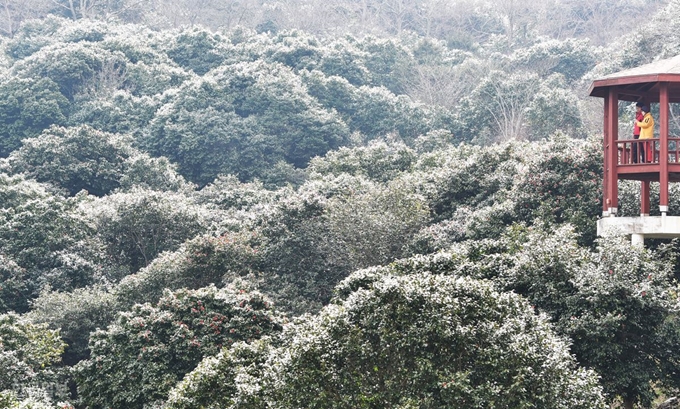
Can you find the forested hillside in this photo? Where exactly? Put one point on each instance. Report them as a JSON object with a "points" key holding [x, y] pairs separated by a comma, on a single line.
{"points": [[324, 204]]}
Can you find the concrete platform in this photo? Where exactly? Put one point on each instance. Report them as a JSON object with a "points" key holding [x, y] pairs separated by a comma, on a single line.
{"points": [[653, 227]]}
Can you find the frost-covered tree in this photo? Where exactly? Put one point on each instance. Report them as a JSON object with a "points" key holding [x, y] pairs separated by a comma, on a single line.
{"points": [[555, 110], [417, 340], [242, 119], [83, 158], [561, 184], [69, 65], [379, 161], [74, 159], [203, 261], [371, 226], [27, 107], [198, 50], [467, 176], [45, 241], [571, 57], [497, 108], [141, 356], [374, 112], [138, 225], [76, 314], [615, 303], [29, 355]]}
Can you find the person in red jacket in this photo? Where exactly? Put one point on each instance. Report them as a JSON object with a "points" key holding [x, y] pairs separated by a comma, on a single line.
{"points": [[636, 134]]}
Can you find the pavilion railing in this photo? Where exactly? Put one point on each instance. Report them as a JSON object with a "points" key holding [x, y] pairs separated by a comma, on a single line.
{"points": [[647, 151]]}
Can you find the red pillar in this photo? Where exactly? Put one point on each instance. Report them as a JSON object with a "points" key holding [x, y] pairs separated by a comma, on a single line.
{"points": [[663, 149], [613, 160], [605, 168], [644, 198]]}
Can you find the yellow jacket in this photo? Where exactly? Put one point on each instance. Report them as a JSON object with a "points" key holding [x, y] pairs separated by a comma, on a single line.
{"points": [[646, 127]]}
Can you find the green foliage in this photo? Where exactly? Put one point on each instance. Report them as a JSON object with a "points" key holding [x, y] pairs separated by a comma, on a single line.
{"points": [[418, 340], [562, 185], [120, 113], [33, 35], [617, 304], [14, 288], [478, 192], [46, 242], [197, 50], [387, 61], [554, 109], [74, 159], [198, 263], [343, 59], [82, 158], [76, 313], [625, 321], [28, 353], [570, 57], [295, 49], [146, 351], [217, 381], [137, 226], [378, 161], [496, 107], [8, 400], [47, 222], [27, 106], [68, 65], [298, 253], [438, 341], [372, 226], [241, 119], [228, 193], [469, 176], [356, 135], [372, 111]]}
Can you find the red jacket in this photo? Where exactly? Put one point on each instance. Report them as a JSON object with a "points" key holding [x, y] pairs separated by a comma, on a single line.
{"points": [[638, 118]]}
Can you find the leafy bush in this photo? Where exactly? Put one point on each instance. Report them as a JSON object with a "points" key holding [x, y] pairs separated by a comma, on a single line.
{"points": [[241, 119], [46, 242], [200, 262], [146, 351], [137, 226], [29, 354], [76, 314], [418, 340], [27, 107]]}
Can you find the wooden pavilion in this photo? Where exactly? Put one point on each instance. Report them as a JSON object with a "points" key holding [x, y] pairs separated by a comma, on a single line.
{"points": [[655, 83]]}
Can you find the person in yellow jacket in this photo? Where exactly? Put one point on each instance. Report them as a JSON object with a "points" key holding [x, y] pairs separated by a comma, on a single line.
{"points": [[646, 132]]}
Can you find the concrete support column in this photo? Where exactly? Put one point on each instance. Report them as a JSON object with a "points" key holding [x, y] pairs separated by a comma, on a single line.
{"points": [[637, 240]]}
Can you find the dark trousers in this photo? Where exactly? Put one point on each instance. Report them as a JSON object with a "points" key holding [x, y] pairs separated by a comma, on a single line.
{"points": [[636, 155]]}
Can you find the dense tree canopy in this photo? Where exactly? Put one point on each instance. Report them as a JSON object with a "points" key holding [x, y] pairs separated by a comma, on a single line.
{"points": [[324, 204], [147, 350], [418, 340]]}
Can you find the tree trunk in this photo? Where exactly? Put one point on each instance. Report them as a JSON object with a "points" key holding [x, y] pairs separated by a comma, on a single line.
{"points": [[10, 19], [628, 403]]}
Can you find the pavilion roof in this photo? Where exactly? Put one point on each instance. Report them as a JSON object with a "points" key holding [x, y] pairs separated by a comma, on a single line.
{"points": [[641, 83], [667, 66]]}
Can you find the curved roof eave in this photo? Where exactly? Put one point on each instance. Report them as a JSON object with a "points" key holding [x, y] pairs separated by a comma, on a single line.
{"points": [[667, 70]]}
